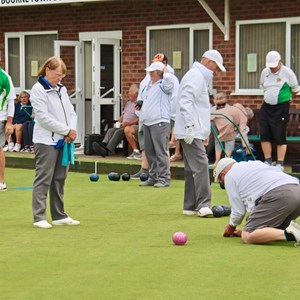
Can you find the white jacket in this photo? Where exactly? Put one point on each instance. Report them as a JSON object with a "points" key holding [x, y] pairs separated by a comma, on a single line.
{"points": [[54, 113], [157, 101], [193, 106]]}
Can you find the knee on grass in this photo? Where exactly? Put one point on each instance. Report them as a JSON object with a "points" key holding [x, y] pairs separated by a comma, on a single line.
{"points": [[248, 237]]}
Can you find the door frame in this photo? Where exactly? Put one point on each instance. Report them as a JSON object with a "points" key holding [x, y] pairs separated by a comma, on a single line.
{"points": [[98, 38], [77, 97], [97, 99]]}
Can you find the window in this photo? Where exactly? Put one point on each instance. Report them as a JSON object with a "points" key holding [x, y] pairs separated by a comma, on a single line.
{"points": [[182, 44], [255, 39], [25, 54]]}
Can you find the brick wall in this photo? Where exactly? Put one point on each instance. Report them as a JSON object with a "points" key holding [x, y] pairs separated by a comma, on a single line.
{"points": [[132, 17]]}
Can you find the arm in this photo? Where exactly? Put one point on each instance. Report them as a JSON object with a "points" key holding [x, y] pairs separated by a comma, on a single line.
{"points": [[130, 123], [243, 130], [238, 209], [11, 95], [186, 103], [168, 81]]}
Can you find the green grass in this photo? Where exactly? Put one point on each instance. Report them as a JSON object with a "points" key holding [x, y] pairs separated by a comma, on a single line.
{"points": [[123, 248]]}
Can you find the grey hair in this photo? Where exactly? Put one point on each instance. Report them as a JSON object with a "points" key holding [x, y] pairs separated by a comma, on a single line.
{"points": [[250, 112], [135, 87]]}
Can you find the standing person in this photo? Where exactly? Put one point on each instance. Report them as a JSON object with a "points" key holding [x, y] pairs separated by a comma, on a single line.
{"points": [[55, 124], [271, 197], [7, 108], [279, 83], [159, 57], [155, 115], [192, 127], [177, 156]]}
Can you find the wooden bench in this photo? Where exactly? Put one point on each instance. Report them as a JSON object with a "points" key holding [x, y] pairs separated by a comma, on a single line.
{"points": [[292, 131]]}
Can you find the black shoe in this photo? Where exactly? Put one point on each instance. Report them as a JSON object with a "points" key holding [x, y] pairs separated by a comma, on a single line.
{"points": [[99, 149]]}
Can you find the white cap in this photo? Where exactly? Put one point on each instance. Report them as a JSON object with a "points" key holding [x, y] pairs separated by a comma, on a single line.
{"points": [[222, 164], [272, 59], [156, 66], [215, 56]]}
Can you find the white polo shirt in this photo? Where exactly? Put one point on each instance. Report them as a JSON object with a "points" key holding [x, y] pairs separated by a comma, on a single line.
{"points": [[278, 87]]}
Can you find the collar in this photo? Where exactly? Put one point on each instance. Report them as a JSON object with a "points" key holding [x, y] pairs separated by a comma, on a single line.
{"points": [[46, 85]]}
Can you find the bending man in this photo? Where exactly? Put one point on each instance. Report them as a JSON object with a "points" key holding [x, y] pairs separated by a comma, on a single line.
{"points": [[271, 197]]}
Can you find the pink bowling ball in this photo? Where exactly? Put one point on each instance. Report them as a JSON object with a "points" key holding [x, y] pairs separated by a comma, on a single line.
{"points": [[179, 238]]}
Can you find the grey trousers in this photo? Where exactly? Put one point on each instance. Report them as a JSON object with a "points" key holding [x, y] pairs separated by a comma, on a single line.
{"points": [[50, 177], [113, 138], [156, 139], [197, 186]]}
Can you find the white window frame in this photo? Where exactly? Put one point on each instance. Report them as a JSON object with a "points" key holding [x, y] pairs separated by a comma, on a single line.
{"points": [[21, 36], [191, 27], [288, 22]]}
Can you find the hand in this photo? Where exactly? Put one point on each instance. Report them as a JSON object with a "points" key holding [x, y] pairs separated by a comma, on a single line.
{"points": [[205, 142], [71, 135], [9, 128], [237, 232], [229, 230], [189, 134], [138, 105]]}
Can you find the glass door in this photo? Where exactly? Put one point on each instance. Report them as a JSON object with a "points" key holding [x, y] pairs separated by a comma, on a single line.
{"points": [[71, 53], [106, 98]]}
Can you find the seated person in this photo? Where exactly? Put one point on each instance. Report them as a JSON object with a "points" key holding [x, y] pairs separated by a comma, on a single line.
{"points": [[27, 136], [20, 117], [131, 134], [115, 135], [226, 131], [177, 156], [219, 101]]}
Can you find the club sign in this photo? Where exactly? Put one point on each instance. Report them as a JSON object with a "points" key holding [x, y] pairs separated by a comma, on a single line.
{"points": [[7, 3]]}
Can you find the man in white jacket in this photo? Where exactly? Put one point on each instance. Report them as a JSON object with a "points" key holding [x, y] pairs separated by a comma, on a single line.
{"points": [[155, 115], [192, 127]]}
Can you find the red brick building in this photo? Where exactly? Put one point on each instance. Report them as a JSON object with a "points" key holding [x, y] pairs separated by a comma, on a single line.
{"points": [[107, 44]]}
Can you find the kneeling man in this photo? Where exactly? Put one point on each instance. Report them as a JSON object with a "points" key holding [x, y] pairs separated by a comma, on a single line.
{"points": [[271, 197]]}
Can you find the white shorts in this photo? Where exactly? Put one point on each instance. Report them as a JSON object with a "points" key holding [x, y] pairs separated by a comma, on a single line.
{"points": [[2, 134]]}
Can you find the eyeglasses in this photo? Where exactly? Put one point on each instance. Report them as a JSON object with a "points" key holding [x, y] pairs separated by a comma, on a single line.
{"points": [[221, 105], [59, 75]]}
